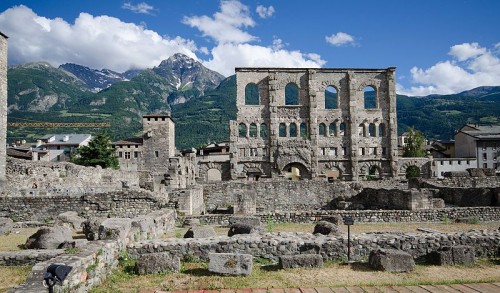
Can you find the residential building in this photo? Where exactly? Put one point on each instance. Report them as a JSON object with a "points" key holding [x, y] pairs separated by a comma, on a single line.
{"points": [[480, 142]]}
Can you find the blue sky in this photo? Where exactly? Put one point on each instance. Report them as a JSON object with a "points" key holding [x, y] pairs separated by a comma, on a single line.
{"points": [[438, 46]]}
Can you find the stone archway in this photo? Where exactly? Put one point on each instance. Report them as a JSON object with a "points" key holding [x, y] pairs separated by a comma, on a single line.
{"points": [[213, 175], [296, 171]]}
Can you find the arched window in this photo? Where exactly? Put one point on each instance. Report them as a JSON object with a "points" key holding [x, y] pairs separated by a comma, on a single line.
{"points": [[361, 130], [322, 129], [251, 94], [263, 130], [242, 129], [381, 129], [331, 98], [282, 130], [370, 97], [293, 130], [303, 130], [253, 130], [291, 94], [371, 129], [342, 129], [332, 129]]}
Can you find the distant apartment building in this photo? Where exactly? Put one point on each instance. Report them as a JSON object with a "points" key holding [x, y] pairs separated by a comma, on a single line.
{"points": [[58, 147], [480, 142]]}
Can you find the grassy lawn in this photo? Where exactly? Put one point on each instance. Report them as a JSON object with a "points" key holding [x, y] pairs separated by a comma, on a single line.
{"points": [[10, 276]]}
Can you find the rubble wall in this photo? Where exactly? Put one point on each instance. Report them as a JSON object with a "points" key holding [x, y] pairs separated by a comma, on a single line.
{"points": [[274, 245], [124, 203]]}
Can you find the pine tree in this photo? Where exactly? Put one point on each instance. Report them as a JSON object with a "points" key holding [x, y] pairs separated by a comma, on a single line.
{"points": [[99, 152]]}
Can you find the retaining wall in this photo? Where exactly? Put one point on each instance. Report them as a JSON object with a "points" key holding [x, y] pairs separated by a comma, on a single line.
{"points": [[124, 203], [274, 245]]}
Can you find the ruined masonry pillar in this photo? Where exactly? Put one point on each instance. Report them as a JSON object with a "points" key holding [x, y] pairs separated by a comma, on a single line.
{"points": [[3, 105]]}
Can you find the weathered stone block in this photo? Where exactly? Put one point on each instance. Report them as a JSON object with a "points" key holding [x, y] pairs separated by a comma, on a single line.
{"points": [[70, 219], [191, 222], [453, 255], [115, 229], [153, 263], [326, 228], [49, 238], [230, 263], [391, 260], [6, 225], [239, 228], [301, 261], [200, 232], [91, 228]]}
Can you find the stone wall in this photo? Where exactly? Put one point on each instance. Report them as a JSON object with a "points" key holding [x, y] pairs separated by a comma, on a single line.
{"points": [[274, 245], [25, 175], [188, 201], [271, 196], [122, 203], [366, 216]]}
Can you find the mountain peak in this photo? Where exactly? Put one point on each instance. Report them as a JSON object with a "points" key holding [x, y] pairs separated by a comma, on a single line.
{"points": [[95, 80]]}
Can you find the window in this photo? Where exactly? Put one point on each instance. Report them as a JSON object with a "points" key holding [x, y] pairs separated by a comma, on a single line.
{"points": [[333, 152], [484, 156], [120, 154], [157, 154], [331, 98], [384, 151], [332, 129], [361, 130], [342, 129], [370, 97], [291, 94], [242, 152], [242, 129], [253, 130], [361, 151], [136, 155], [485, 165], [322, 129], [344, 151], [282, 130], [263, 130], [303, 130], [251, 94], [371, 129], [293, 130], [127, 155], [381, 130]]}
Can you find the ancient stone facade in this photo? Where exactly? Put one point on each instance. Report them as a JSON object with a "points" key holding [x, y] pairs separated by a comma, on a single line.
{"points": [[313, 123], [3, 103]]}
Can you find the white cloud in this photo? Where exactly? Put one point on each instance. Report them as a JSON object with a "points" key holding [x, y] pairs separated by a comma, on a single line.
{"points": [[225, 57], [93, 41], [466, 51], [277, 44], [265, 12], [340, 39], [142, 7], [225, 26], [473, 66]]}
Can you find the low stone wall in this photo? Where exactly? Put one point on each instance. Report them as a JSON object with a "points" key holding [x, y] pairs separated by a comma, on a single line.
{"points": [[27, 257], [26, 175], [274, 245], [90, 266], [366, 216], [123, 203], [270, 196], [469, 196]]}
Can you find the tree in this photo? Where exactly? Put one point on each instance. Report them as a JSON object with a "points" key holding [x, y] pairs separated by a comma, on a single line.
{"points": [[414, 144], [99, 152]]}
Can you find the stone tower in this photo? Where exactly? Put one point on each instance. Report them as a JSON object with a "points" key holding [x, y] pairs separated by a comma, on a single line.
{"points": [[3, 104], [300, 123], [158, 141]]}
